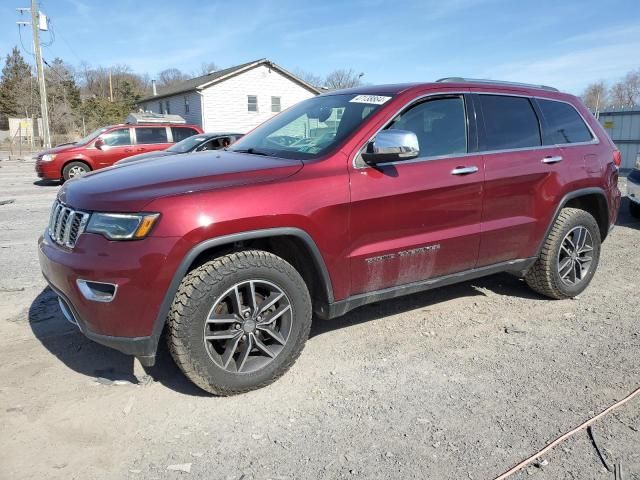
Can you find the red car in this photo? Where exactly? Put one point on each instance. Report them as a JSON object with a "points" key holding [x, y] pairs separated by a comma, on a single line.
{"points": [[345, 199], [106, 146]]}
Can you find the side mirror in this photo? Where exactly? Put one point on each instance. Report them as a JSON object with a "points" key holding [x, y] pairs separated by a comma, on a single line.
{"points": [[392, 146], [99, 143]]}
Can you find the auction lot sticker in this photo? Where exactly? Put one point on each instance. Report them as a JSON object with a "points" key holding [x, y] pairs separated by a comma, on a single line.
{"points": [[371, 99]]}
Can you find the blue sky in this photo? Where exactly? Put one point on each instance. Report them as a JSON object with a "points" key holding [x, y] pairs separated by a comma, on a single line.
{"points": [[565, 43]]}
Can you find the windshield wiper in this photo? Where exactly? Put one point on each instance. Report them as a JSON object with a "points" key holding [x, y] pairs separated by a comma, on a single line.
{"points": [[252, 151]]}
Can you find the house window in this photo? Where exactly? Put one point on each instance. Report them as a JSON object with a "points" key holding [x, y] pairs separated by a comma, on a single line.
{"points": [[161, 111], [186, 104], [275, 104], [167, 110], [252, 103]]}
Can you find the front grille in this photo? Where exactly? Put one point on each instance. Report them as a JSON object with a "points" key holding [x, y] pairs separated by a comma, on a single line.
{"points": [[66, 224]]}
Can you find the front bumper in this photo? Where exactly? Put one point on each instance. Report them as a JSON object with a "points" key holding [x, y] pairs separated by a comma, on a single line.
{"points": [[140, 269], [47, 170], [633, 186]]}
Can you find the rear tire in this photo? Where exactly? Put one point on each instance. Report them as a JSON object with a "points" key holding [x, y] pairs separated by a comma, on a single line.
{"points": [[569, 256], [74, 169], [634, 209], [239, 322]]}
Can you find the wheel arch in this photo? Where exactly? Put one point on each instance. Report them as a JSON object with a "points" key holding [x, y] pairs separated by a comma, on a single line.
{"points": [[290, 243], [592, 200]]}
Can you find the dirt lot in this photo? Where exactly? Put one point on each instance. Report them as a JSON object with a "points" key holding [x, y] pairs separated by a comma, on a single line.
{"points": [[457, 383]]}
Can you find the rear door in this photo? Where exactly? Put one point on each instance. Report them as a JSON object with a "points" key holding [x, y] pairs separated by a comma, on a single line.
{"points": [[151, 139], [117, 144], [418, 219], [521, 176]]}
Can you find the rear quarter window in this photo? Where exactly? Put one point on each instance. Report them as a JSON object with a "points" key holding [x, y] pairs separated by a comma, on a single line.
{"points": [[563, 123], [509, 122], [147, 135]]}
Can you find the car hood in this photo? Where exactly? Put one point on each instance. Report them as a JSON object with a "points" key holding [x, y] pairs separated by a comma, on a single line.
{"points": [[127, 188], [60, 149], [142, 156]]}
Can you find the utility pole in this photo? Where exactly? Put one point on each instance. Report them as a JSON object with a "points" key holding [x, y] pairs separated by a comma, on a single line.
{"points": [[35, 28]]}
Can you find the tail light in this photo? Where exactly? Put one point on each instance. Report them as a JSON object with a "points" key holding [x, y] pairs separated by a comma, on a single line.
{"points": [[617, 158]]}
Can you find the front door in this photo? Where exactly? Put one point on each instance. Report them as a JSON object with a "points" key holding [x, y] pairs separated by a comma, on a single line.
{"points": [[117, 144], [418, 219]]}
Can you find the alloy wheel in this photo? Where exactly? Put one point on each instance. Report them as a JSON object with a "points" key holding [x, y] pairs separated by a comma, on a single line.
{"points": [[76, 171], [248, 326], [575, 256]]}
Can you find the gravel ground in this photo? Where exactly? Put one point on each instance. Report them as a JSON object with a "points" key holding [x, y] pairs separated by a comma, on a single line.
{"points": [[457, 383]]}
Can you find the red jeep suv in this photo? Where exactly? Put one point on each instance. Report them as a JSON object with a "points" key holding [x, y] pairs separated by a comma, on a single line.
{"points": [[348, 198], [106, 146]]}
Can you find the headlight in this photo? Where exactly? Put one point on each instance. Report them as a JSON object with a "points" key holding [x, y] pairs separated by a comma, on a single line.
{"points": [[48, 157], [122, 226]]}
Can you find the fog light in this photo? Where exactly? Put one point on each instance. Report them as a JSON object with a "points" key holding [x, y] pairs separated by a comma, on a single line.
{"points": [[97, 291]]}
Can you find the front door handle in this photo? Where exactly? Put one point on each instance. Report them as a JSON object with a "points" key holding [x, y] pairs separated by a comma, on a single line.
{"points": [[553, 159], [464, 170]]}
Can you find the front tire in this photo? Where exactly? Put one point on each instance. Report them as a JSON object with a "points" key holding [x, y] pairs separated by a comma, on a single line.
{"points": [[74, 169], [569, 256], [239, 322]]}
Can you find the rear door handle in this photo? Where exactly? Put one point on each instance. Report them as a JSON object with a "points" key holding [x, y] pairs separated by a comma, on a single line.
{"points": [[464, 170], [553, 159]]}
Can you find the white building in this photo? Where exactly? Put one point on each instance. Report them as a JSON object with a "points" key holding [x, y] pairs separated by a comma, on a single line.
{"points": [[235, 99]]}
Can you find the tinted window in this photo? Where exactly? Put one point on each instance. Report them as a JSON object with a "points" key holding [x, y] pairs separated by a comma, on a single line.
{"points": [[509, 122], [151, 135], [564, 124], [439, 125], [117, 137], [180, 133]]}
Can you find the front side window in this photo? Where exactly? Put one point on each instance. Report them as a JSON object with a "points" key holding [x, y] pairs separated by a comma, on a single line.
{"points": [[311, 127], [117, 138], [275, 104], [439, 124], [148, 135], [509, 122], [252, 103], [565, 125]]}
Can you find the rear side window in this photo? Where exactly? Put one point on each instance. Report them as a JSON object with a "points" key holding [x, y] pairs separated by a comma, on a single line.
{"points": [[151, 135], [116, 138], [180, 133], [564, 124], [439, 125], [509, 122]]}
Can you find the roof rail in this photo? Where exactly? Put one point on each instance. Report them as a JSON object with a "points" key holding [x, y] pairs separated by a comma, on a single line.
{"points": [[494, 82]]}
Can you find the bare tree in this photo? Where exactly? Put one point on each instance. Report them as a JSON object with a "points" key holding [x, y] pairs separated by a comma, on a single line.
{"points": [[626, 92], [208, 67], [171, 76], [342, 78], [309, 77], [595, 96]]}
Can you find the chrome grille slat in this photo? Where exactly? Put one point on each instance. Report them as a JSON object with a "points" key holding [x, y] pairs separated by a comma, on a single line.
{"points": [[66, 224]]}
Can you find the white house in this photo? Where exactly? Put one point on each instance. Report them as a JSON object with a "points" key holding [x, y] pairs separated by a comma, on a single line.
{"points": [[235, 99]]}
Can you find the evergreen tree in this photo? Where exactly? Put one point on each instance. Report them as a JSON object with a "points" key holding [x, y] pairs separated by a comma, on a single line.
{"points": [[17, 86]]}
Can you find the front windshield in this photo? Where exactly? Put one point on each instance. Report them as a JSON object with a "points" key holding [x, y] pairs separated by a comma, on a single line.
{"points": [[310, 128], [92, 136], [187, 144]]}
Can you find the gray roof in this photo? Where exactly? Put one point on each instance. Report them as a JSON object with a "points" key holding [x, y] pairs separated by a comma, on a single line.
{"points": [[221, 75]]}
